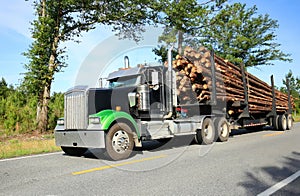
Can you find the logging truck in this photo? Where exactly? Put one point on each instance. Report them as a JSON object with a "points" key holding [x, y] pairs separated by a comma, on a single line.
{"points": [[197, 94]]}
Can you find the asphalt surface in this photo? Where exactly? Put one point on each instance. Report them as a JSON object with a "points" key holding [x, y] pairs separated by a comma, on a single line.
{"points": [[248, 164]]}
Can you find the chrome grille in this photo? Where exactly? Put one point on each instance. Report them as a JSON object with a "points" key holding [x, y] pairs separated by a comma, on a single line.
{"points": [[75, 109]]}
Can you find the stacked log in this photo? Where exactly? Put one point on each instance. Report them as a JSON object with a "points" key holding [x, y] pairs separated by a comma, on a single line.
{"points": [[194, 82]]}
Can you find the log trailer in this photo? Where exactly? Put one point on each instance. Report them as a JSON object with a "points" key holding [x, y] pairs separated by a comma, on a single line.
{"points": [[188, 96]]}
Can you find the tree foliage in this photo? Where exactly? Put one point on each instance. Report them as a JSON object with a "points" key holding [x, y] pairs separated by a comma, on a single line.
{"points": [[240, 34], [181, 19]]}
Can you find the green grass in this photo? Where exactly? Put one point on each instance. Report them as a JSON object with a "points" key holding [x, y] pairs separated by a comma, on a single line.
{"points": [[16, 148], [296, 118]]}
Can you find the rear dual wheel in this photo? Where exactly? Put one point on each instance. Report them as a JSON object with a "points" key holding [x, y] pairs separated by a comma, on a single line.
{"points": [[222, 129], [275, 122], [207, 134], [283, 122], [289, 121]]}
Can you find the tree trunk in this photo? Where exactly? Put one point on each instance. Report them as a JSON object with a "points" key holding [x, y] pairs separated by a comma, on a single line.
{"points": [[44, 108], [180, 41], [43, 115]]}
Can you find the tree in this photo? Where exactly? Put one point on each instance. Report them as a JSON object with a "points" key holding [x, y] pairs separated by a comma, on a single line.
{"points": [[294, 85], [181, 18], [5, 89], [239, 34], [65, 20]]}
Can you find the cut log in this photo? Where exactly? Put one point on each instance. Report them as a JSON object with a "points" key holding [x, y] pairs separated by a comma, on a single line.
{"points": [[193, 75]]}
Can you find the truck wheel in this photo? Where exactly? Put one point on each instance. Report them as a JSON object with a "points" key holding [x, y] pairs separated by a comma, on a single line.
{"points": [[282, 123], [207, 134], [222, 129], [74, 151], [119, 141], [289, 122]]}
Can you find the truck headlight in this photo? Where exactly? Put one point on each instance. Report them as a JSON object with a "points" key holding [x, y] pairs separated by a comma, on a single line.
{"points": [[60, 121], [94, 120]]}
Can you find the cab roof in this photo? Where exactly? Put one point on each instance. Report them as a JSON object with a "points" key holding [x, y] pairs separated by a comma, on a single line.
{"points": [[124, 72]]}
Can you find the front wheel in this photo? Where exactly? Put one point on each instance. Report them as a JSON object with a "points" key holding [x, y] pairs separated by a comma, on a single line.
{"points": [[74, 151], [207, 134], [119, 141]]}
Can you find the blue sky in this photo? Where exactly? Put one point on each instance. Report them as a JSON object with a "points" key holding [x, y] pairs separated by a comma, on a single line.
{"points": [[15, 17]]}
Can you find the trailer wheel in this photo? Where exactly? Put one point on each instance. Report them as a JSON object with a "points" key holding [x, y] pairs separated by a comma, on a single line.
{"points": [[275, 122], [119, 141], [74, 151], [207, 134], [282, 123], [289, 122], [222, 129]]}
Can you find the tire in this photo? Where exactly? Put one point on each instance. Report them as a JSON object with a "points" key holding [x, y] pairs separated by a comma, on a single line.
{"points": [[74, 151], [222, 129], [282, 123], [119, 142], [289, 122], [207, 134], [275, 122]]}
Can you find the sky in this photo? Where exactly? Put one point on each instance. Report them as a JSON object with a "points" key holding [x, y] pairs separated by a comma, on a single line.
{"points": [[15, 38]]}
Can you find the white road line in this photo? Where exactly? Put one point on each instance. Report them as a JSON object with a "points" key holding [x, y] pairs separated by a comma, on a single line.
{"points": [[32, 156], [280, 184]]}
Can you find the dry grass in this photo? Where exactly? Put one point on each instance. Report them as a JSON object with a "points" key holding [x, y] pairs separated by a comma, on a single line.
{"points": [[16, 147]]}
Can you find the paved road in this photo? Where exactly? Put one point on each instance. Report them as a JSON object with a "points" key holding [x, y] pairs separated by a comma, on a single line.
{"points": [[248, 164]]}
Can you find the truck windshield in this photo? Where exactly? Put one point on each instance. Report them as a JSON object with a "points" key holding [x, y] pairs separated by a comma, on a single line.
{"points": [[124, 81]]}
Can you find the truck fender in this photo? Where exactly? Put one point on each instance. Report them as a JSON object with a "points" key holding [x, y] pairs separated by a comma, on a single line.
{"points": [[109, 117], [200, 119]]}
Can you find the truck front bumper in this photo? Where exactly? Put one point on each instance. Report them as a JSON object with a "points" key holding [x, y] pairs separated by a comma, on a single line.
{"points": [[92, 137]]}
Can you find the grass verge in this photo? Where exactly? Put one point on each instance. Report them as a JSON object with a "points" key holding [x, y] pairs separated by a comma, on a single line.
{"points": [[296, 118], [16, 148]]}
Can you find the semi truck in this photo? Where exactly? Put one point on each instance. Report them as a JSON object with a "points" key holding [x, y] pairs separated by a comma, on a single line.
{"points": [[142, 103]]}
